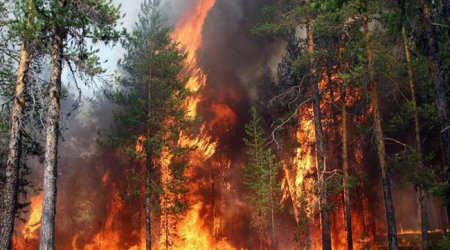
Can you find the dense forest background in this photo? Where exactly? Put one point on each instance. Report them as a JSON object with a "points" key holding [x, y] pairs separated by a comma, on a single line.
{"points": [[224, 124]]}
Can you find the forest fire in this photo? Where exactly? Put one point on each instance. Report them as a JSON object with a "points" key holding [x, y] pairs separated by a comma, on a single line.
{"points": [[307, 148], [30, 230], [192, 230]]}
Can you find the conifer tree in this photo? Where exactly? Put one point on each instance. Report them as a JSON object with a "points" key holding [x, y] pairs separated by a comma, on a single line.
{"points": [[72, 25], [438, 76], [27, 26], [152, 93], [261, 178]]}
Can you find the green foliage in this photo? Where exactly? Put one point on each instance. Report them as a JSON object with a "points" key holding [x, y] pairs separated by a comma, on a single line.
{"points": [[404, 164], [261, 175], [151, 96], [83, 24], [442, 190]]}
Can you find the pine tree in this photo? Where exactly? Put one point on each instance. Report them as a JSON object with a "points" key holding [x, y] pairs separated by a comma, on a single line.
{"points": [[72, 24], [261, 178], [152, 93], [27, 28], [417, 131], [438, 77]]}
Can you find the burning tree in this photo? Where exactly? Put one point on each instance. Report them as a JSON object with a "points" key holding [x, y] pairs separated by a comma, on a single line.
{"points": [[152, 93]]}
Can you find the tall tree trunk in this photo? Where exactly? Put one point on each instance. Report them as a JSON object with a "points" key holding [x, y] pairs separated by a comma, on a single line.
{"points": [[438, 79], [148, 222], [325, 221], [345, 169], [420, 165], [47, 240], [14, 149], [379, 138], [272, 208], [307, 234], [148, 177]]}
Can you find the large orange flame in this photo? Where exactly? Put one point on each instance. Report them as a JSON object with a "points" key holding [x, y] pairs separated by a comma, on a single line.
{"points": [[192, 232]]}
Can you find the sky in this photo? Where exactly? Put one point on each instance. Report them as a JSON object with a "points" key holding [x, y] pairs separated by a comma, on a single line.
{"points": [[111, 54]]}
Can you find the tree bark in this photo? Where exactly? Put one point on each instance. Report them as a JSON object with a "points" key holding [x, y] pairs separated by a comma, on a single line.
{"points": [[420, 165], [307, 235], [47, 239], [326, 234], [438, 79], [345, 168], [148, 177], [272, 208], [14, 149], [379, 138], [148, 222]]}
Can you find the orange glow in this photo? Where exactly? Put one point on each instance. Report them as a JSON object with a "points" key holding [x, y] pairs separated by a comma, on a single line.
{"points": [[108, 237], [190, 28], [31, 229], [194, 234], [140, 144]]}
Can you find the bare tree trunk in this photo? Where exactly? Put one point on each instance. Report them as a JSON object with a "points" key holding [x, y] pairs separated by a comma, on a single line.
{"points": [[326, 234], [148, 172], [345, 168], [14, 149], [420, 165], [307, 235], [272, 208], [438, 79], [47, 240], [379, 138], [148, 177]]}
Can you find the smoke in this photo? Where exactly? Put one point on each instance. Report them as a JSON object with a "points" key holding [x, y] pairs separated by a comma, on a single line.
{"points": [[90, 175]]}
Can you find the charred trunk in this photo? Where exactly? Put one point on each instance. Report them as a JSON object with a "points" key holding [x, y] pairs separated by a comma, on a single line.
{"points": [[438, 79], [148, 186], [272, 209], [326, 235], [379, 140], [420, 165], [345, 168], [148, 175]]}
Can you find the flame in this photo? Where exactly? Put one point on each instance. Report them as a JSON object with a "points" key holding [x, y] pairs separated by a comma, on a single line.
{"points": [[108, 237], [192, 230], [28, 236], [195, 236], [31, 229], [300, 172], [189, 32]]}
